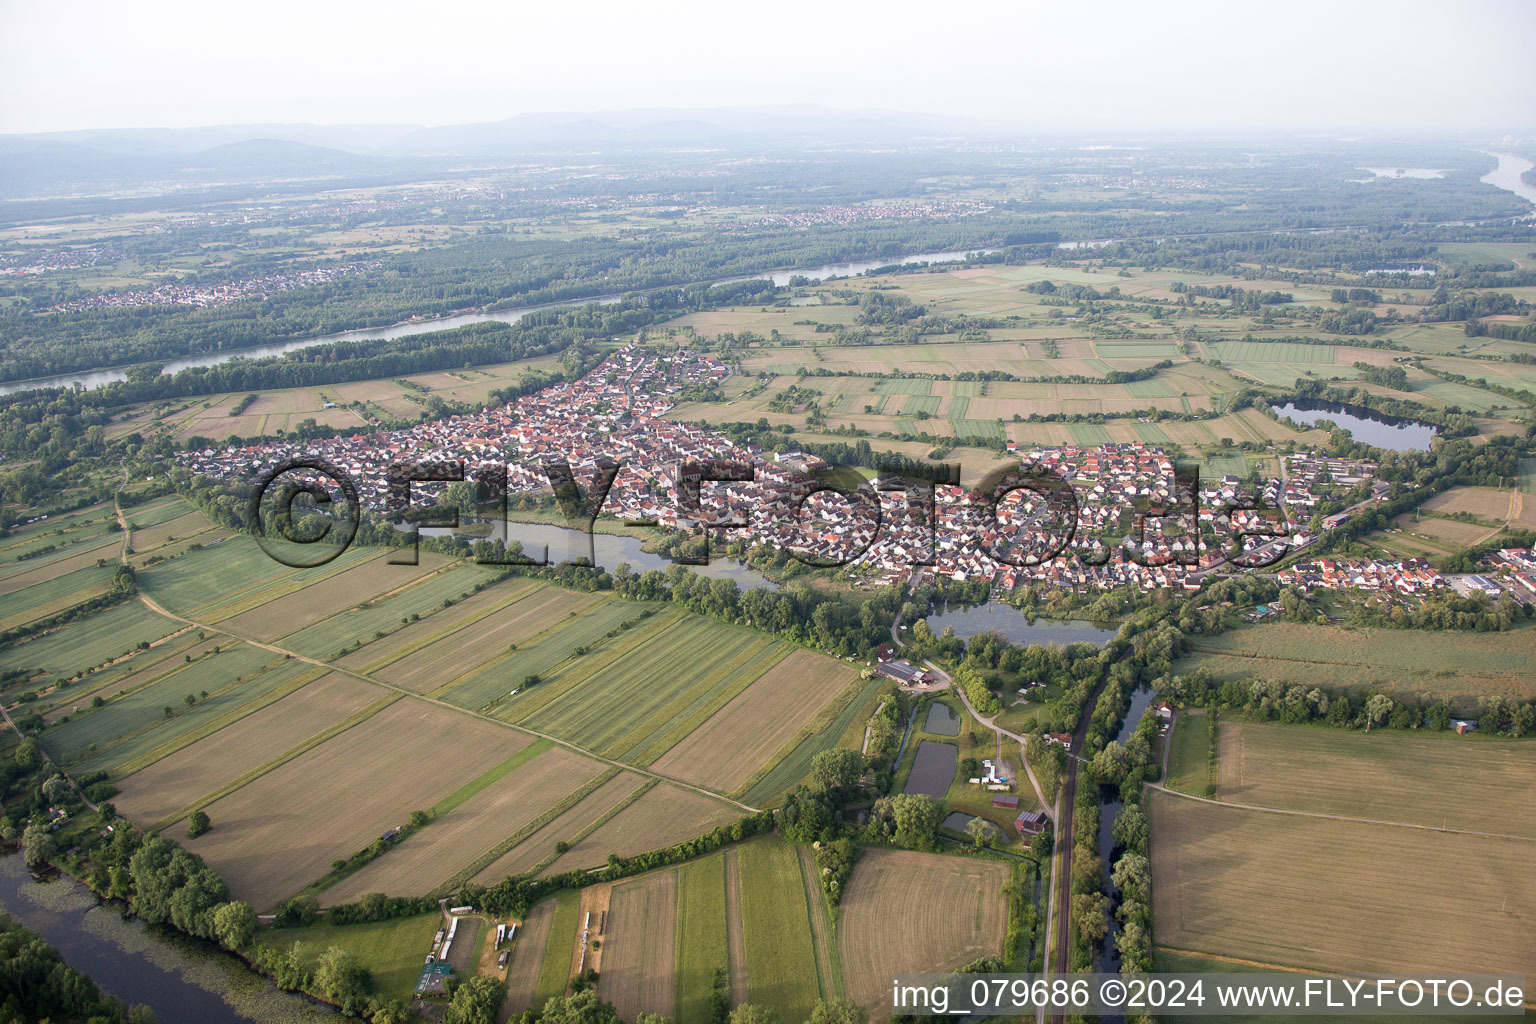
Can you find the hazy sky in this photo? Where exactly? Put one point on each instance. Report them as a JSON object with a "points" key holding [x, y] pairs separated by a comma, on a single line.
{"points": [[1292, 65]]}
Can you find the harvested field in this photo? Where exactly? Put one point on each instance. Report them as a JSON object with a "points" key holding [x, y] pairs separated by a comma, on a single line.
{"points": [[1334, 895], [452, 841], [756, 724], [1477, 784], [173, 784], [957, 901], [527, 957], [540, 846], [638, 974], [661, 817], [280, 832]]}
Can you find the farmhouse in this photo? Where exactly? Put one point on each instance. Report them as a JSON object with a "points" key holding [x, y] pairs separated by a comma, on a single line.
{"points": [[904, 672], [1030, 823]]}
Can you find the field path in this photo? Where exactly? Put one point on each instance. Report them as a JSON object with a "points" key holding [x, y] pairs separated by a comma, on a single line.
{"points": [[735, 935], [153, 606], [1340, 817]]}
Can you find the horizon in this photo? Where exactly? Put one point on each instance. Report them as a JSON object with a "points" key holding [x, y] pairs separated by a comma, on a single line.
{"points": [[1321, 69]]}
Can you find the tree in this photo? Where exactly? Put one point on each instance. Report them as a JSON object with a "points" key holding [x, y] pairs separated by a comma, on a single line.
{"points": [[198, 823], [746, 1013], [1132, 877], [838, 769], [1090, 912], [29, 753], [581, 1008], [55, 788], [1130, 828], [343, 979], [838, 1011], [234, 924], [1377, 707], [38, 845], [917, 818], [980, 832], [477, 1001]]}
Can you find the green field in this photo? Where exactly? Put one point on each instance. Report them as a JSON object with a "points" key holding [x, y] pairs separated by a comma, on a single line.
{"points": [[654, 694], [781, 962], [904, 386], [324, 638], [392, 950], [1189, 760], [555, 971], [701, 944], [921, 403], [1272, 352], [988, 431], [1443, 662], [89, 642], [1089, 434]]}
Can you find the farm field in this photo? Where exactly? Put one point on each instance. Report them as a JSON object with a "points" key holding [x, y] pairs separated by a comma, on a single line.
{"points": [[780, 957], [845, 728], [89, 642], [1478, 784], [127, 673], [638, 705], [451, 842], [1408, 661], [528, 956], [1324, 894], [280, 832], [1189, 760], [957, 900], [227, 578], [369, 578], [588, 813], [638, 974], [48, 596], [171, 785], [757, 723], [661, 816], [702, 943]]}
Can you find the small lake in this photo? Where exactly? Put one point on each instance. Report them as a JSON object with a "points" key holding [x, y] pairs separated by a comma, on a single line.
{"points": [[1364, 425], [933, 769], [180, 979], [942, 720], [606, 550], [1013, 625]]}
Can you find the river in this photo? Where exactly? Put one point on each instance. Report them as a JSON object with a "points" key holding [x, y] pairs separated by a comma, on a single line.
{"points": [[405, 329], [179, 978], [1109, 808], [1507, 176]]}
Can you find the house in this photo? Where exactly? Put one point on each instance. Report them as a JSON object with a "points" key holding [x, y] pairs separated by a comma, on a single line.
{"points": [[1030, 823], [1065, 739], [885, 652], [1005, 802]]}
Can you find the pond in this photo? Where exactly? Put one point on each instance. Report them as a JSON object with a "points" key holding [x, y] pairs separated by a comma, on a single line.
{"points": [[1014, 625], [933, 769], [942, 720], [1364, 425], [179, 978]]}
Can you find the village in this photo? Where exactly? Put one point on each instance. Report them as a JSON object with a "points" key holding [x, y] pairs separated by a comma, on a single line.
{"points": [[610, 426]]}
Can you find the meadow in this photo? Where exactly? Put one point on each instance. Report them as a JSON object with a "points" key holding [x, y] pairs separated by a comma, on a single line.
{"points": [[1392, 660]]}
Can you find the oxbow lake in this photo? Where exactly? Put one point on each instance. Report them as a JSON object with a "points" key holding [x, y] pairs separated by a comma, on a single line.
{"points": [[1014, 625], [1364, 425]]}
